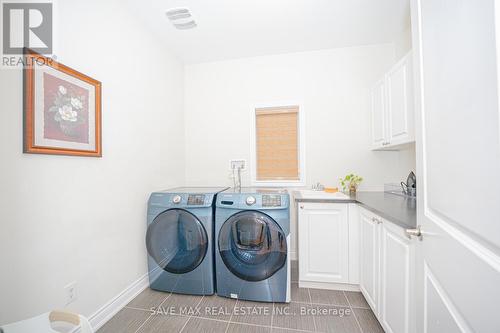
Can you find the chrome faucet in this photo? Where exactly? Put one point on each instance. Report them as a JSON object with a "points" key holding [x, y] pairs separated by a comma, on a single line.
{"points": [[318, 187]]}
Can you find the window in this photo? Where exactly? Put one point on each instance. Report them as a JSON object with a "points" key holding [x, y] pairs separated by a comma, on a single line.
{"points": [[277, 149]]}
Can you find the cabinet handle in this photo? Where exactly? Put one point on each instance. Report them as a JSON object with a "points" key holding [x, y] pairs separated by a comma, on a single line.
{"points": [[301, 207], [417, 232]]}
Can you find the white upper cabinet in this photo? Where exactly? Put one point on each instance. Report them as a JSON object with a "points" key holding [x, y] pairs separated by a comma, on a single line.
{"points": [[392, 109], [323, 239], [400, 109], [378, 114]]}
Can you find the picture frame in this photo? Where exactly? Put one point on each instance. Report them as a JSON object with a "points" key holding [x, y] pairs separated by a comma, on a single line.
{"points": [[62, 109]]}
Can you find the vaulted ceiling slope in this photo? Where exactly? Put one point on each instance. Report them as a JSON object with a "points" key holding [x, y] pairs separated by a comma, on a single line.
{"points": [[229, 29]]}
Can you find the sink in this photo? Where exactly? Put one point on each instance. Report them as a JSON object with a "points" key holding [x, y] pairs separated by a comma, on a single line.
{"points": [[311, 194]]}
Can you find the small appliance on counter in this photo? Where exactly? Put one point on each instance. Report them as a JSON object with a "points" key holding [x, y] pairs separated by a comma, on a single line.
{"points": [[410, 187]]}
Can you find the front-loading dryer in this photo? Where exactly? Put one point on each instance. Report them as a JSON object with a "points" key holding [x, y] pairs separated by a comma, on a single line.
{"points": [[179, 243], [252, 244]]}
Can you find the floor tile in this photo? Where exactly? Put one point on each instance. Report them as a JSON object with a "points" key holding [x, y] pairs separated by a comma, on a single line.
{"points": [[216, 307], [300, 294], [200, 325], [294, 315], [328, 297], [125, 321], [181, 304], [163, 323], [248, 317], [356, 299], [148, 299], [253, 313], [242, 328], [284, 330], [368, 321], [294, 272], [335, 319]]}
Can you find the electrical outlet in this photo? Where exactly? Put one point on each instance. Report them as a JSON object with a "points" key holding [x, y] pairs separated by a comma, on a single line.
{"points": [[235, 164], [70, 292]]}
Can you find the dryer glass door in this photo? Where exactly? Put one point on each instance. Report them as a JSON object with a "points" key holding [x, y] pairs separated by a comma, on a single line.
{"points": [[177, 241], [252, 245]]}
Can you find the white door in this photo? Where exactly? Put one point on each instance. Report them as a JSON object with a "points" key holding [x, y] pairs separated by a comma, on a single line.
{"points": [[378, 114], [323, 239], [397, 310], [369, 257], [400, 103], [458, 164]]}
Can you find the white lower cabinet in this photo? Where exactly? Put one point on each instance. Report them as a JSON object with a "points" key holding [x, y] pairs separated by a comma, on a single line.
{"points": [[369, 257], [323, 243], [344, 246], [387, 266], [396, 280]]}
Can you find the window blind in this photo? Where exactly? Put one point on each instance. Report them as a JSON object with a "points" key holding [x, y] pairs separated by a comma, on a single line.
{"points": [[277, 143]]}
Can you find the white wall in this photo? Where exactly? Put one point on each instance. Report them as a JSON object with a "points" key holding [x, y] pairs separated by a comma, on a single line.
{"points": [[402, 44], [65, 219], [333, 88]]}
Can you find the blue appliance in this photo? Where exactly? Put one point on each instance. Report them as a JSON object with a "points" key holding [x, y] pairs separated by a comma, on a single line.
{"points": [[179, 237], [252, 241]]}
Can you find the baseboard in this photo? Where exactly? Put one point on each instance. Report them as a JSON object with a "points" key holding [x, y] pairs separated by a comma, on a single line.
{"points": [[329, 285], [106, 312]]}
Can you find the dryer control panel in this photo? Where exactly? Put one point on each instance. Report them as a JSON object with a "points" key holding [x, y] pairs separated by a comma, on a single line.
{"points": [[180, 200], [196, 199]]}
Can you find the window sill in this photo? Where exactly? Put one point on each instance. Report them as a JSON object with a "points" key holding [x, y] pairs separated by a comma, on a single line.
{"points": [[277, 183]]}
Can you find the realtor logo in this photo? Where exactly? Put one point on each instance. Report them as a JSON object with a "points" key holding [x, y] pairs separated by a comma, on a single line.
{"points": [[27, 24]]}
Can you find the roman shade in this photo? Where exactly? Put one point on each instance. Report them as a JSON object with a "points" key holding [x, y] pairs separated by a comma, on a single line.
{"points": [[277, 143]]}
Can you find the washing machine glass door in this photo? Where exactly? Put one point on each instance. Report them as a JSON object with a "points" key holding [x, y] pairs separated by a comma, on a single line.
{"points": [[177, 241], [252, 245]]}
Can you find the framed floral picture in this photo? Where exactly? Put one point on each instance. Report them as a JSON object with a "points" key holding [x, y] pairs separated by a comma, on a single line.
{"points": [[62, 109]]}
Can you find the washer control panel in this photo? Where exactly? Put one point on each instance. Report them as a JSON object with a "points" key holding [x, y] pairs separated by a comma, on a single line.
{"points": [[253, 200], [271, 200], [196, 199], [250, 200]]}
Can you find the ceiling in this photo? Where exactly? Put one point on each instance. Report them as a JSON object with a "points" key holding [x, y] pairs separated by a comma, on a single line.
{"points": [[229, 29]]}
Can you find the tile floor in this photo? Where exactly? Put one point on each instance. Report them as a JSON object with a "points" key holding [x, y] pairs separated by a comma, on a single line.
{"points": [[311, 310]]}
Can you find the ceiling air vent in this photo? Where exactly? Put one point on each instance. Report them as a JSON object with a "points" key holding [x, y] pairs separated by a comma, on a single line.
{"points": [[181, 18]]}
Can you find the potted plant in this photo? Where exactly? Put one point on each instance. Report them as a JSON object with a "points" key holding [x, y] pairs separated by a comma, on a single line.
{"points": [[350, 182]]}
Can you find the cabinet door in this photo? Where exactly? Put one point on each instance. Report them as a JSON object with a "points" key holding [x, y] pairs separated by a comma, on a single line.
{"points": [[378, 130], [400, 122], [323, 241], [369, 258], [397, 269]]}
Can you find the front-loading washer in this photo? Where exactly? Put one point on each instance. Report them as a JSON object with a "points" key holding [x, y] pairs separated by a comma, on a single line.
{"points": [[252, 244]]}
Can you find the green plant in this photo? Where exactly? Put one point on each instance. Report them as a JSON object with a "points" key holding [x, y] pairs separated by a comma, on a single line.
{"points": [[350, 181]]}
